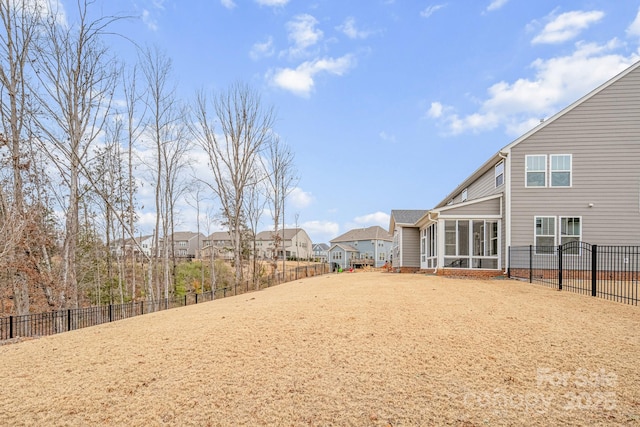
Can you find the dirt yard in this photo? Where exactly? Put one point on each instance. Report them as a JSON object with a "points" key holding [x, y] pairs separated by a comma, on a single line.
{"points": [[361, 349]]}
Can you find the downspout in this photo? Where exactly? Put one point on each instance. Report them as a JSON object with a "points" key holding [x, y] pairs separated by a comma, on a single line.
{"points": [[507, 209], [435, 270]]}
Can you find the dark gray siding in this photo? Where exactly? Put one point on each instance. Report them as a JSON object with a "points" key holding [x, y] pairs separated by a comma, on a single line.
{"points": [[603, 136]]}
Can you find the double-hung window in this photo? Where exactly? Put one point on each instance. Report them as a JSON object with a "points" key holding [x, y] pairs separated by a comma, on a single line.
{"points": [[499, 173], [571, 231], [557, 173], [536, 170], [545, 234], [560, 170]]}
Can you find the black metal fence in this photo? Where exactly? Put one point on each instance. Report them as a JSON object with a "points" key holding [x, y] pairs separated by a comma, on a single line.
{"points": [[55, 322], [610, 272]]}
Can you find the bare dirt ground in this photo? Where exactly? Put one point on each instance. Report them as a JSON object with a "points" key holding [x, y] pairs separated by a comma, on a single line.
{"points": [[362, 349]]}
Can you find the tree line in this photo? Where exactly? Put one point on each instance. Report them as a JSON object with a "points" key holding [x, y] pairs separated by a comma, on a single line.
{"points": [[75, 122]]}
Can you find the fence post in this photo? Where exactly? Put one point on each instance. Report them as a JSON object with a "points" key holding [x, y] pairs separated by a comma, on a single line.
{"points": [[110, 313], [594, 269], [10, 326], [530, 263], [559, 267], [68, 319], [185, 300]]}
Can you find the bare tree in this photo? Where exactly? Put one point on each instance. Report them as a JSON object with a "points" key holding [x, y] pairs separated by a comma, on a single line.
{"points": [[254, 204], [20, 26], [167, 130], [194, 199], [281, 179], [133, 128], [245, 127], [77, 78]]}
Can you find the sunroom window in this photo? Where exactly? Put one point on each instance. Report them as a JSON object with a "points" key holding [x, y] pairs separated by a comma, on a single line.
{"points": [[471, 244]]}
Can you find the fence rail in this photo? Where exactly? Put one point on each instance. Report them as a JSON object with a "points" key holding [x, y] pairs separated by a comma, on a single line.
{"points": [[610, 272], [58, 321]]}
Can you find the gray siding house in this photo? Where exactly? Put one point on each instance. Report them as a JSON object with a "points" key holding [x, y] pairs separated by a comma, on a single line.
{"points": [[574, 177], [320, 252], [360, 247], [405, 253]]}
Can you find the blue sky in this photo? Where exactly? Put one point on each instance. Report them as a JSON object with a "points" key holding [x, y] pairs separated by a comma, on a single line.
{"points": [[388, 104]]}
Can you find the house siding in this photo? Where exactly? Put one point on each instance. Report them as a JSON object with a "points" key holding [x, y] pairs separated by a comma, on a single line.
{"points": [[486, 207], [484, 186], [603, 136], [410, 247]]}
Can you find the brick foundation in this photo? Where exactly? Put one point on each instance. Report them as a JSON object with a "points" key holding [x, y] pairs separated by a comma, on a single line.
{"points": [[463, 272], [407, 269]]}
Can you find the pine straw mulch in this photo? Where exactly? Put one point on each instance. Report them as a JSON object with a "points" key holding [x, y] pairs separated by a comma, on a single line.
{"points": [[356, 349]]}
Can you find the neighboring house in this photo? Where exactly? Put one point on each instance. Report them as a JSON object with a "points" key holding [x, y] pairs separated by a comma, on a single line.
{"points": [[406, 239], [186, 244], [218, 243], [320, 252], [574, 177], [294, 243], [138, 245], [360, 247]]}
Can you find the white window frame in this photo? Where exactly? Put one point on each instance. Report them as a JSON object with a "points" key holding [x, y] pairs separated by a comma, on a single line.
{"points": [[527, 171], [499, 173], [551, 170], [572, 236], [536, 235]]}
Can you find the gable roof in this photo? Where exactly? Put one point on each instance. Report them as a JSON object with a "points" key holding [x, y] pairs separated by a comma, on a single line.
{"points": [[289, 233], [504, 152], [183, 235], [405, 217], [370, 233], [219, 235], [344, 247], [320, 246]]}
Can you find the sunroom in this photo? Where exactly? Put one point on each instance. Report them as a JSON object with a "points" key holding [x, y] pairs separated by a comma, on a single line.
{"points": [[465, 236]]}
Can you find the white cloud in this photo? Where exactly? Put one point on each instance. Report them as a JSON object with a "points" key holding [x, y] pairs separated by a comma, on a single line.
{"points": [[349, 28], [303, 34], [325, 230], [634, 29], [229, 4], [388, 137], [567, 26], [557, 82], [376, 218], [44, 8], [496, 4], [299, 198], [431, 9], [149, 21], [436, 110], [301, 79], [272, 3], [262, 49]]}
